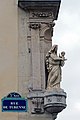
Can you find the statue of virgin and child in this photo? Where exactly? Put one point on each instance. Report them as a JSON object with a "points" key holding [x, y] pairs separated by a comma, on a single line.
{"points": [[53, 66]]}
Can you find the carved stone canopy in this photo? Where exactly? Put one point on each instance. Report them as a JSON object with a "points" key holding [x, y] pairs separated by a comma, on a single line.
{"points": [[41, 4]]}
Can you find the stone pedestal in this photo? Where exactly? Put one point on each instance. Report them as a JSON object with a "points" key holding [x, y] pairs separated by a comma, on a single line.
{"points": [[55, 101], [47, 102]]}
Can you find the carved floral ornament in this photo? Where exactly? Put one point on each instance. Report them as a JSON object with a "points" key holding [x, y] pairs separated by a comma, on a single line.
{"points": [[42, 14], [34, 25], [38, 25]]}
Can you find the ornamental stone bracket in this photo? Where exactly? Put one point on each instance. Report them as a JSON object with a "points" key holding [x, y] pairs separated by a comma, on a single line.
{"points": [[37, 101], [54, 101]]}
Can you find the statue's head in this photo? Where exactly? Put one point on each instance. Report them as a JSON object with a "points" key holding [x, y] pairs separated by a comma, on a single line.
{"points": [[63, 53], [54, 49]]}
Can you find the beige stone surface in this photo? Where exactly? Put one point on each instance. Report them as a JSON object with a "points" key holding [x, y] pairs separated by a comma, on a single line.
{"points": [[8, 52]]}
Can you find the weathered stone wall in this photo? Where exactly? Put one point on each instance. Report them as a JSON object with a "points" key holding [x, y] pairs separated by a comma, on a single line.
{"points": [[8, 52]]}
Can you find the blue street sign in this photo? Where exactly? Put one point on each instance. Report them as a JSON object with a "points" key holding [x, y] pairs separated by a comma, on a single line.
{"points": [[14, 103]]}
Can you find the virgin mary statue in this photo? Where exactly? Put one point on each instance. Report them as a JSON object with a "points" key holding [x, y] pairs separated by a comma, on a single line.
{"points": [[53, 65]]}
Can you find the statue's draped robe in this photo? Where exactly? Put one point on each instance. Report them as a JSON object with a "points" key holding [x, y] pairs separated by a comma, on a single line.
{"points": [[54, 76]]}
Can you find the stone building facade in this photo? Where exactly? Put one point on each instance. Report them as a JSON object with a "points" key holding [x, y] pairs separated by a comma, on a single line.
{"points": [[24, 41]]}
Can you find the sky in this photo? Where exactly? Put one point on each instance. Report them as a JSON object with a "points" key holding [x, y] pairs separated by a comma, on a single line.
{"points": [[67, 36]]}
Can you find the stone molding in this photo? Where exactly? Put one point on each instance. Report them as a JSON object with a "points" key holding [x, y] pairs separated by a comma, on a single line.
{"points": [[46, 4]]}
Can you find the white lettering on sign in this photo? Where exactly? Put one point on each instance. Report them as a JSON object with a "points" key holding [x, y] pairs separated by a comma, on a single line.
{"points": [[14, 103], [17, 107], [5, 107]]}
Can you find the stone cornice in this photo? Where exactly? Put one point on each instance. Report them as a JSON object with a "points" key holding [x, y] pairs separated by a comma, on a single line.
{"points": [[54, 5]]}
